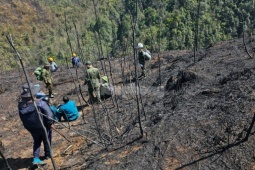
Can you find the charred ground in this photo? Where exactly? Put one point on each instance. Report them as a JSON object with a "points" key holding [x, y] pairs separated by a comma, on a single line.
{"points": [[200, 117]]}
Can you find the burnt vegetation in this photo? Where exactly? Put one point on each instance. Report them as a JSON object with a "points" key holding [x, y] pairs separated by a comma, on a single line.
{"points": [[201, 116], [194, 110]]}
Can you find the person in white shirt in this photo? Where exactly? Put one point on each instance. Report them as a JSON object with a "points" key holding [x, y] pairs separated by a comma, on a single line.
{"points": [[53, 65]]}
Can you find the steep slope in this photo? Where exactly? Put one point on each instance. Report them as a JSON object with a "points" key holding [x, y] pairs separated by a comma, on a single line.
{"points": [[38, 29], [201, 116], [39, 26]]}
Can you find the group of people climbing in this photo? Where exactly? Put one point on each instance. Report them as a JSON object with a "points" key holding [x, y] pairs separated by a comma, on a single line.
{"points": [[38, 115]]}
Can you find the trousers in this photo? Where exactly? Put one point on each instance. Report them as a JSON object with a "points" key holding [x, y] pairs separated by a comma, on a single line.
{"points": [[97, 93], [38, 138]]}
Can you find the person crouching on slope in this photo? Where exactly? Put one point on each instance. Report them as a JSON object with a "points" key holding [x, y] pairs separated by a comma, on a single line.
{"points": [[68, 110], [106, 89]]}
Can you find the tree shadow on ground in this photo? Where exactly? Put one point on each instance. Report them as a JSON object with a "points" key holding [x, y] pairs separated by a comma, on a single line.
{"points": [[81, 107], [17, 163], [98, 156]]}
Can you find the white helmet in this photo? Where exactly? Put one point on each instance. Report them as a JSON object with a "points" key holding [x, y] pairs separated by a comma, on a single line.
{"points": [[139, 45]]}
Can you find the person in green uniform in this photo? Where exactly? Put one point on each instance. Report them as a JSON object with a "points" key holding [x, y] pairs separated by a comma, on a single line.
{"points": [[47, 78], [106, 89], [92, 79]]}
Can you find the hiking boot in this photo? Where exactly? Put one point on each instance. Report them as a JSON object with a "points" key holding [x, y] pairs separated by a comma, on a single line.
{"points": [[52, 96], [47, 154], [37, 161], [46, 157]]}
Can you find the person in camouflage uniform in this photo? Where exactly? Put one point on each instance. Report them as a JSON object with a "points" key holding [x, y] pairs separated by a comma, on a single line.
{"points": [[47, 78], [92, 79]]}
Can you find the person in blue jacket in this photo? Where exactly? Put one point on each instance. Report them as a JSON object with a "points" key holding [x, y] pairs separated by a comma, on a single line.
{"points": [[31, 121], [75, 60], [68, 110]]}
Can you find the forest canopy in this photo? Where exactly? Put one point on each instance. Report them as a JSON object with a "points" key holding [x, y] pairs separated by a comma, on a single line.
{"points": [[106, 28]]}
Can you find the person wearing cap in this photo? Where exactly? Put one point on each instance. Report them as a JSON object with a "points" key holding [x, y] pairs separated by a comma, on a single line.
{"points": [[53, 65], [106, 89], [143, 57], [92, 79], [47, 78], [75, 60], [68, 110], [29, 117]]}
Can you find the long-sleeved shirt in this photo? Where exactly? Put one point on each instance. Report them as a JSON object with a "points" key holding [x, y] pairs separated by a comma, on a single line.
{"points": [[68, 111], [47, 78], [75, 61], [29, 116], [53, 66], [93, 77]]}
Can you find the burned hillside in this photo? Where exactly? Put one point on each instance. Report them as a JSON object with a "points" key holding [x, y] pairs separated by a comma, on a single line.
{"points": [[184, 115]]}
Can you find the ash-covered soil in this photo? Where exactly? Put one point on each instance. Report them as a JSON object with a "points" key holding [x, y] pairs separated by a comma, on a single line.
{"points": [[193, 116]]}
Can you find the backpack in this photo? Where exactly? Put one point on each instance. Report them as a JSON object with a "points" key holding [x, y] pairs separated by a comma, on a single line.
{"points": [[75, 61], [106, 89], [38, 73], [147, 54]]}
